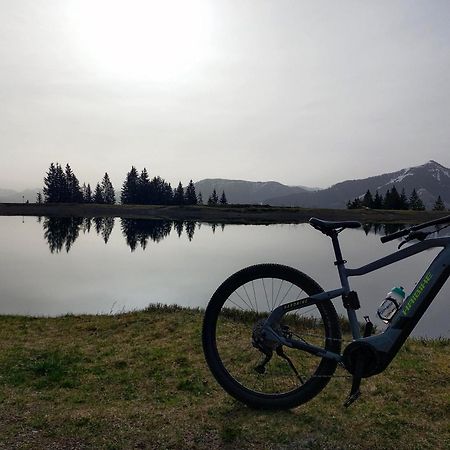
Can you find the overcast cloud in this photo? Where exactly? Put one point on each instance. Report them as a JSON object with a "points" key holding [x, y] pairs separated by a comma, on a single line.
{"points": [[301, 92]]}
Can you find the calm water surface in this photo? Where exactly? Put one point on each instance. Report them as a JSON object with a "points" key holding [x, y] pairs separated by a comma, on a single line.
{"points": [[59, 266]]}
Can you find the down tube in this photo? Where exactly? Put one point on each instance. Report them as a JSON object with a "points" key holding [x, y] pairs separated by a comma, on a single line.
{"points": [[413, 308]]}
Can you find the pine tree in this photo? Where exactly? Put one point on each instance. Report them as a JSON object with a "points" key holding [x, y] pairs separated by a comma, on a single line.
{"points": [[213, 199], [355, 204], [73, 192], [130, 188], [415, 203], [378, 201], [50, 185], [439, 204], [368, 199], [178, 195], [167, 194], [87, 193], [145, 197], [223, 199], [199, 199], [387, 204], [98, 196], [61, 183], [190, 197], [395, 198], [55, 185], [39, 198], [404, 204], [107, 189]]}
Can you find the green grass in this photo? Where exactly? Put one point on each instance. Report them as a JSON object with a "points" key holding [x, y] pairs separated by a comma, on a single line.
{"points": [[139, 380]]}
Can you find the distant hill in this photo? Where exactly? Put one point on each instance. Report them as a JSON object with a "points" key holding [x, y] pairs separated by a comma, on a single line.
{"points": [[430, 180], [246, 192], [11, 196]]}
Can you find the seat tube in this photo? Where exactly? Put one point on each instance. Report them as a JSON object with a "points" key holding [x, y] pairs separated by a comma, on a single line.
{"points": [[340, 263]]}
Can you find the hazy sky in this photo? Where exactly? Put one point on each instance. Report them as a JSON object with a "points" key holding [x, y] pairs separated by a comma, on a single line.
{"points": [[302, 92]]}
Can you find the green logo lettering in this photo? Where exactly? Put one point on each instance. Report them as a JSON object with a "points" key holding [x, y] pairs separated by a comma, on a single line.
{"points": [[412, 299]]}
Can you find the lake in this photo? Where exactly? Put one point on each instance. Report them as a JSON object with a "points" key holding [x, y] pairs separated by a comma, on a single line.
{"points": [[60, 265]]}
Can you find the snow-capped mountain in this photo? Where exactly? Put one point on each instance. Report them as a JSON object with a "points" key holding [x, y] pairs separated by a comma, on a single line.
{"points": [[430, 180]]}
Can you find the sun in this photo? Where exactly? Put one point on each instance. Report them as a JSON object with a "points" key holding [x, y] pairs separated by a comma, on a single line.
{"points": [[142, 39]]}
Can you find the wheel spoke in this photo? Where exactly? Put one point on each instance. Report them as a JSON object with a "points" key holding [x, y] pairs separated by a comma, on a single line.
{"points": [[241, 341]]}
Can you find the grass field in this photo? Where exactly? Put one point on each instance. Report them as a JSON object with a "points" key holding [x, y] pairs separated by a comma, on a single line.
{"points": [[139, 380], [229, 214]]}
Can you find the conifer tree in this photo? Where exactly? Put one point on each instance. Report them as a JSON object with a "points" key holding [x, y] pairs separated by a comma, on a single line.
{"points": [[98, 195], [415, 203], [199, 199], [178, 195], [404, 204], [223, 199], [130, 187], [439, 204], [72, 192], [39, 198], [145, 197], [368, 199], [55, 185], [213, 199], [378, 201], [190, 197], [395, 198], [107, 189], [50, 186], [355, 204], [87, 193]]}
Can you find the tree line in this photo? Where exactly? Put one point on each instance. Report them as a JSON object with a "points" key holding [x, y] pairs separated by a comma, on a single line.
{"points": [[62, 186], [393, 200]]}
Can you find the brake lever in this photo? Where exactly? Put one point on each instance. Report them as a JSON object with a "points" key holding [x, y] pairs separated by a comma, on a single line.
{"points": [[419, 235]]}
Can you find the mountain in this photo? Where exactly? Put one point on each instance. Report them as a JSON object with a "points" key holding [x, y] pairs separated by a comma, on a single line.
{"points": [[11, 196], [429, 180], [246, 192]]}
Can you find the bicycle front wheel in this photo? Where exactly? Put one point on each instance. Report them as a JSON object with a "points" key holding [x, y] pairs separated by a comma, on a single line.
{"points": [[258, 372]]}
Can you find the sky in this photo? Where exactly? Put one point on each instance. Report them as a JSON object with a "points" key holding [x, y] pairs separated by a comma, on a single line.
{"points": [[301, 92]]}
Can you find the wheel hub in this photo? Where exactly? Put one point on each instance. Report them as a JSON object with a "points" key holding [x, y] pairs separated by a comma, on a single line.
{"points": [[263, 341]]}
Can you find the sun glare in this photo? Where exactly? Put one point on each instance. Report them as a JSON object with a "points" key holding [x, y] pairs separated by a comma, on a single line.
{"points": [[142, 39]]}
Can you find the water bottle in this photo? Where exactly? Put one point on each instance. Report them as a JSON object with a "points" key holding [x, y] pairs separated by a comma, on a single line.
{"points": [[391, 304]]}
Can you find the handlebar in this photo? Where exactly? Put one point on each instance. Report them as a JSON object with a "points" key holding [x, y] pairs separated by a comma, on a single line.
{"points": [[397, 234]]}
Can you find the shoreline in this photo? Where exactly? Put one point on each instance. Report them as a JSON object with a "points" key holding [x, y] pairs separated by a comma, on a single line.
{"points": [[233, 214]]}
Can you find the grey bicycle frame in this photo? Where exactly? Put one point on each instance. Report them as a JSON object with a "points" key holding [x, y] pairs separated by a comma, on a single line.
{"points": [[390, 341]]}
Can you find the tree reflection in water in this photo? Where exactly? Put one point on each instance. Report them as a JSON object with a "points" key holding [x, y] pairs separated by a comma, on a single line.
{"points": [[140, 231], [382, 228], [62, 232]]}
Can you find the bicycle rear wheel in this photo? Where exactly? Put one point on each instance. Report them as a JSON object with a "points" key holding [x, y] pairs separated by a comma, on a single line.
{"points": [[232, 322]]}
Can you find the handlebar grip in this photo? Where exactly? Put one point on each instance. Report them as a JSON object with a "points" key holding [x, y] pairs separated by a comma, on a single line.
{"points": [[391, 237]]}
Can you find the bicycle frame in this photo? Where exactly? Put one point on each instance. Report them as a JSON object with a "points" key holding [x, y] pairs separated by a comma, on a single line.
{"points": [[387, 343]]}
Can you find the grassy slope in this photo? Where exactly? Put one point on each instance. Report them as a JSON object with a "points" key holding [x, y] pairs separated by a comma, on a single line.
{"points": [[139, 380]]}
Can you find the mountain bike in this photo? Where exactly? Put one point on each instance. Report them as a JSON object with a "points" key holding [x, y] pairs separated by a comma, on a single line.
{"points": [[272, 337]]}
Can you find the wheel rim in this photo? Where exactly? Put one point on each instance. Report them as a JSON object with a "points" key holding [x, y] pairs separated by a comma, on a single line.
{"points": [[245, 307]]}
